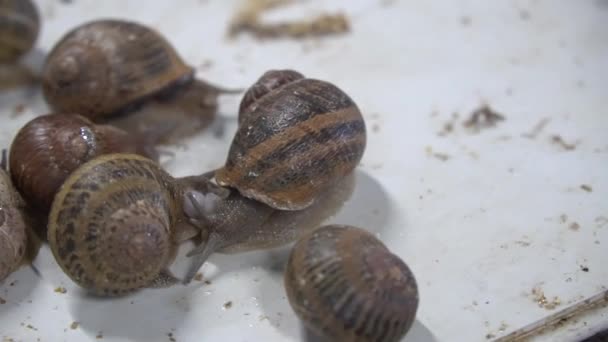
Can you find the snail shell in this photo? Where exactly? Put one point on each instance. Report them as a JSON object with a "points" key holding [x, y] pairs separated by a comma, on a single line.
{"points": [[346, 285], [59, 144], [13, 238], [111, 225], [293, 141], [104, 66], [19, 27]]}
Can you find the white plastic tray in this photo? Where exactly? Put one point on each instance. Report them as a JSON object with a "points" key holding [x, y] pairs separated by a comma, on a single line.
{"points": [[480, 230]]}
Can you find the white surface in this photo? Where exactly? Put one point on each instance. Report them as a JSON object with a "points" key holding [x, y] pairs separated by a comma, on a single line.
{"points": [[479, 230]]}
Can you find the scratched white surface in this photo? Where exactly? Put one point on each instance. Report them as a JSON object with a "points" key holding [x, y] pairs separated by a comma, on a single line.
{"points": [[480, 230]]}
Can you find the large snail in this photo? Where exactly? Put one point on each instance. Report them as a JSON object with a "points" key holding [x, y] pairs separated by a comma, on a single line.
{"points": [[297, 138], [107, 67], [116, 222], [50, 147], [346, 285], [13, 234]]}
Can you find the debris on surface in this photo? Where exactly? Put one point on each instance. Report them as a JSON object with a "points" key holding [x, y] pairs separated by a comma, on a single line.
{"points": [[586, 187], [448, 126], [99, 335], [584, 268], [61, 290], [539, 297], [31, 327], [483, 117], [558, 140], [18, 110], [227, 305], [574, 226], [249, 19], [2, 301], [198, 277], [537, 129], [441, 156], [171, 337], [74, 325], [601, 221]]}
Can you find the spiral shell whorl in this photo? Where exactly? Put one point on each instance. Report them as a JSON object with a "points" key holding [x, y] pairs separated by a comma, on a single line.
{"points": [[270, 81], [13, 238], [19, 27], [346, 285], [296, 141], [104, 66], [110, 225]]}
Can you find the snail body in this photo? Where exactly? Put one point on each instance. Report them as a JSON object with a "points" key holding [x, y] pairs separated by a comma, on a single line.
{"points": [[115, 223], [59, 144], [13, 236], [345, 285], [19, 30], [296, 136]]}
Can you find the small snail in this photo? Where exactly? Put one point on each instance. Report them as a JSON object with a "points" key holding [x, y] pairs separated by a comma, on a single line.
{"points": [[107, 67], [19, 27], [345, 285], [50, 147], [116, 222], [296, 136], [13, 235], [238, 224]]}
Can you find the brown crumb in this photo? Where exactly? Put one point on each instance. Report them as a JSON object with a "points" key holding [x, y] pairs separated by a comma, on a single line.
{"points": [[198, 277], [99, 335], [227, 305], [574, 226], [18, 110], [483, 117], [61, 290], [584, 268], [586, 187], [249, 19], [537, 129], [558, 140], [74, 325], [2, 300]]}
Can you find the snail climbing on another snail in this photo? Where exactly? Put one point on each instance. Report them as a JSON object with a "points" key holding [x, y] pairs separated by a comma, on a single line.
{"points": [[59, 144], [19, 28], [116, 222], [105, 68], [345, 285], [13, 234], [297, 139]]}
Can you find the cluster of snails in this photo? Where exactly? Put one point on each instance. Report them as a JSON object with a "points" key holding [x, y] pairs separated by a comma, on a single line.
{"points": [[115, 218]]}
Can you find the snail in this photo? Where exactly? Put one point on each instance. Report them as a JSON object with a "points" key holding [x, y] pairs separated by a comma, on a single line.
{"points": [[116, 222], [345, 285], [104, 68], [20, 24], [13, 235], [50, 147], [236, 224], [19, 28], [296, 136]]}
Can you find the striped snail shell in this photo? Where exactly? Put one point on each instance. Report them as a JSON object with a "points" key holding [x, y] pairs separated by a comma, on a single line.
{"points": [[345, 285], [293, 141], [13, 238], [59, 144], [19, 27], [113, 226], [104, 66]]}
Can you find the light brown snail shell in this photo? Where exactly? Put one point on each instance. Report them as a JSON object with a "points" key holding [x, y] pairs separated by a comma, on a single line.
{"points": [[104, 67], [115, 224], [20, 24], [49, 148], [13, 236], [296, 136], [345, 285]]}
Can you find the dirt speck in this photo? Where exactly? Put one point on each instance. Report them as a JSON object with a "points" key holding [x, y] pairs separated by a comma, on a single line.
{"points": [[483, 117], [74, 325], [584, 268], [227, 305], [537, 129], [375, 128], [574, 226], [538, 295], [524, 14], [2, 301], [31, 327], [18, 110], [601, 221], [198, 277], [490, 336], [586, 187], [503, 327], [13, 283], [206, 65], [99, 335], [563, 218], [465, 21], [171, 337], [557, 139], [438, 155], [61, 290]]}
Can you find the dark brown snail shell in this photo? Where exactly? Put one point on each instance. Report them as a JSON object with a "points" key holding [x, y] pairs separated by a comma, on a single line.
{"points": [[345, 285], [50, 147], [19, 27], [115, 223], [13, 236], [293, 141], [104, 66]]}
